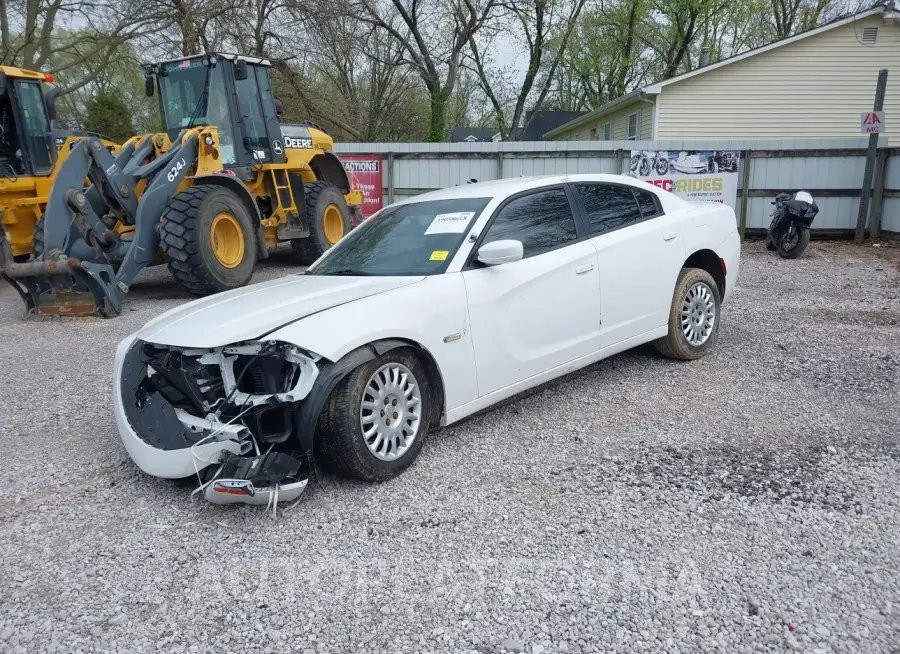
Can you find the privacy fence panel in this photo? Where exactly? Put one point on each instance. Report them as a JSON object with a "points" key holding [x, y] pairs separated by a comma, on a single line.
{"points": [[830, 169], [890, 221]]}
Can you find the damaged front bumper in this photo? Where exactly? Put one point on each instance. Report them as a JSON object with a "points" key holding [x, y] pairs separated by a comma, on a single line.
{"points": [[212, 412]]}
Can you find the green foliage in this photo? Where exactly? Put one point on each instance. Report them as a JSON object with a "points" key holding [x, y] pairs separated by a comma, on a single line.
{"points": [[108, 114]]}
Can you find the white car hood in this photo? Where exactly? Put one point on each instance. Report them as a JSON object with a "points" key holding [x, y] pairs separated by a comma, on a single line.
{"points": [[252, 311]]}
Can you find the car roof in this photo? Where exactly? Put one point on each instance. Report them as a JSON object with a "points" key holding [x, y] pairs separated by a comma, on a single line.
{"points": [[502, 188]]}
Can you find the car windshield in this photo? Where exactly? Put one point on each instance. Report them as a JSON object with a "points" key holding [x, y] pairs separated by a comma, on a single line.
{"points": [[419, 238]]}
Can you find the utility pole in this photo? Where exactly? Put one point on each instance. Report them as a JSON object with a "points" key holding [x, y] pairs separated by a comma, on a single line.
{"points": [[866, 192]]}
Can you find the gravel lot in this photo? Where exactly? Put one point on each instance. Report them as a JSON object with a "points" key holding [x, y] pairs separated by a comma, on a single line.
{"points": [[748, 502]]}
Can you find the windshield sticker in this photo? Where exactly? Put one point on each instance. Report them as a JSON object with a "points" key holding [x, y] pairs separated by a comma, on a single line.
{"points": [[439, 255], [450, 223]]}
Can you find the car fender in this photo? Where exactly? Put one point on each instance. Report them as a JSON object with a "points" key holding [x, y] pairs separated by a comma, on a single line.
{"points": [[431, 315]]}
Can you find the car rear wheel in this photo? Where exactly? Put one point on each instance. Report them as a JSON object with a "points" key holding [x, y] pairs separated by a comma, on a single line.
{"points": [[693, 317], [377, 417]]}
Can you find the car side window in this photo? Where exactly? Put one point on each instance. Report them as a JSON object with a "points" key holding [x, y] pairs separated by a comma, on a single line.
{"points": [[608, 207], [650, 206], [542, 221]]}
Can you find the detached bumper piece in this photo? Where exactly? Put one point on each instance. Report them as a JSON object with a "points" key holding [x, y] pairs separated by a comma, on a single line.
{"points": [[264, 480]]}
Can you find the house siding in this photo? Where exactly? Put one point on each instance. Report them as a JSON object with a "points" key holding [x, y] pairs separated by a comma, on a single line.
{"points": [[815, 87], [619, 120]]}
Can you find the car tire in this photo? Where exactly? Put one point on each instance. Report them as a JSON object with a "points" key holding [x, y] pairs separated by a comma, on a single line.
{"points": [[358, 439], [697, 294]]}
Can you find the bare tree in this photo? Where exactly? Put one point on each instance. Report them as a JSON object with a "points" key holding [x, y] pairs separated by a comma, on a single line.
{"points": [[432, 34], [536, 21]]}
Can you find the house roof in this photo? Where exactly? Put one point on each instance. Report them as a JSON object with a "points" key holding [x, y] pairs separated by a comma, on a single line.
{"points": [[885, 7], [471, 134], [540, 122], [607, 108]]}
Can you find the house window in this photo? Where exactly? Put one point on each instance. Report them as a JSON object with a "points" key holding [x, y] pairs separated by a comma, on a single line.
{"points": [[593, 133], [607, 132], [633, 126]]}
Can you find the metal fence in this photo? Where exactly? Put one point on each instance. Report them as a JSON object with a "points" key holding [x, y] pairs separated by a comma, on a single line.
{"points": [[830, 169]]}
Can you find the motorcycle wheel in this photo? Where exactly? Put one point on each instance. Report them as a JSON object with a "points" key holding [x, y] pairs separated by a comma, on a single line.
{"points": [[794, 247], [645, 167], [662, 166]]}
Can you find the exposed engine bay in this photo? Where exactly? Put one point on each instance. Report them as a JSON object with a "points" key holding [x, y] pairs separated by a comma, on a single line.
{"points": [[227, 415]]}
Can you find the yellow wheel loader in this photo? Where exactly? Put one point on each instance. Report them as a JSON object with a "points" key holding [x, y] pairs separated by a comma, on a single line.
{"points": [[207, 197], [32, 151]]}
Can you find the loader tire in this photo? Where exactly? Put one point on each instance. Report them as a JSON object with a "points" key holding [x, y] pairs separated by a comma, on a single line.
{"points": [[208, 240], [329, 221]]}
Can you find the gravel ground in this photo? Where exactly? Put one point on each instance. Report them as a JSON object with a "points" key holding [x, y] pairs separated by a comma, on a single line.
{"points": [[748, 502]]}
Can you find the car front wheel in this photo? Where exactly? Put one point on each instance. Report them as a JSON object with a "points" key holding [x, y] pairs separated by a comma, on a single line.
{"points": [[693, 317], [377, 417]]}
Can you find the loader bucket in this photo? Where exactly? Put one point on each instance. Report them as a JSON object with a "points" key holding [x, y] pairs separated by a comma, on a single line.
{"points": [[65, 286]]}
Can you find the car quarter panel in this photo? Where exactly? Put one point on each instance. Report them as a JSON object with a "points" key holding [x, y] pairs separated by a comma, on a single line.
{"points": [[431, 313], [715, 228]]}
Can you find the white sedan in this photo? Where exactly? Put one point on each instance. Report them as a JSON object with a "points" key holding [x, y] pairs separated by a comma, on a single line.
{"points": [[437, 307]]}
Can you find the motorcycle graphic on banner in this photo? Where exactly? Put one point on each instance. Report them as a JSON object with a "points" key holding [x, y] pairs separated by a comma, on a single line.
{"points": [[699, 175]]}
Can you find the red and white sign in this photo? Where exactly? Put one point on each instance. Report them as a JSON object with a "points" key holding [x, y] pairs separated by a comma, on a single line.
{"points": [[364, 171], [871, 122]]}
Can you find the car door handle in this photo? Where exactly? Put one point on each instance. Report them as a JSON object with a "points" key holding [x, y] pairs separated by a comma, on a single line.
{"points": [[670, 237], [584, 268]]}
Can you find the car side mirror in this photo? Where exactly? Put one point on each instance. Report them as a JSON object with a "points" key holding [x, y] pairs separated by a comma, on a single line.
{"points": [[148, 86], [499, 252], [240, 69]]}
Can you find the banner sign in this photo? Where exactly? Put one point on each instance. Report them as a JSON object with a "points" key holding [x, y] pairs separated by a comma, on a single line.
{"points": [[695, 175], [364, 171]]}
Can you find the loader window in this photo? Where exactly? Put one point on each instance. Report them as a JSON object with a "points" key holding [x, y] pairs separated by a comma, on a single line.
{"points": [[254, 122], [194, 95], [11, 163], [35, 126]]}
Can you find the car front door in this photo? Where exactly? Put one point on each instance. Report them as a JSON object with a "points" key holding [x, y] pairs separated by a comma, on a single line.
{"points": [[640, 252], [542, 311]]}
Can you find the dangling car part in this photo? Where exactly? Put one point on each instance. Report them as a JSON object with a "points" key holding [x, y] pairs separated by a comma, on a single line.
{"points": [[207, 197], [792, 218], [426, 313]]}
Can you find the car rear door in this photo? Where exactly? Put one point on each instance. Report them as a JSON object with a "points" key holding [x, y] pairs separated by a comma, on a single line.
{"points": [[640, 252], [543, 311]]}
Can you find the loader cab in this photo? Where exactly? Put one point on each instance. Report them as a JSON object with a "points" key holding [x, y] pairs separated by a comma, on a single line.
{"points": [[26, 145], [232, 93]]}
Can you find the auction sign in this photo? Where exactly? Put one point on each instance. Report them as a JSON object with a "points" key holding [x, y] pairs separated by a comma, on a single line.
{"points": [[696, 175], [364, 171]]}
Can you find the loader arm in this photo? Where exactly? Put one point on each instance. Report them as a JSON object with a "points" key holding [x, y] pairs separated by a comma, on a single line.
{"points": [[86, 266]]}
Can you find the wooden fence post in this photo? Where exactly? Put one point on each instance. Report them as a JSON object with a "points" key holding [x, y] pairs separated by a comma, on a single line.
{"points": [[878, 195], [390, 177], [745, 193]]}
